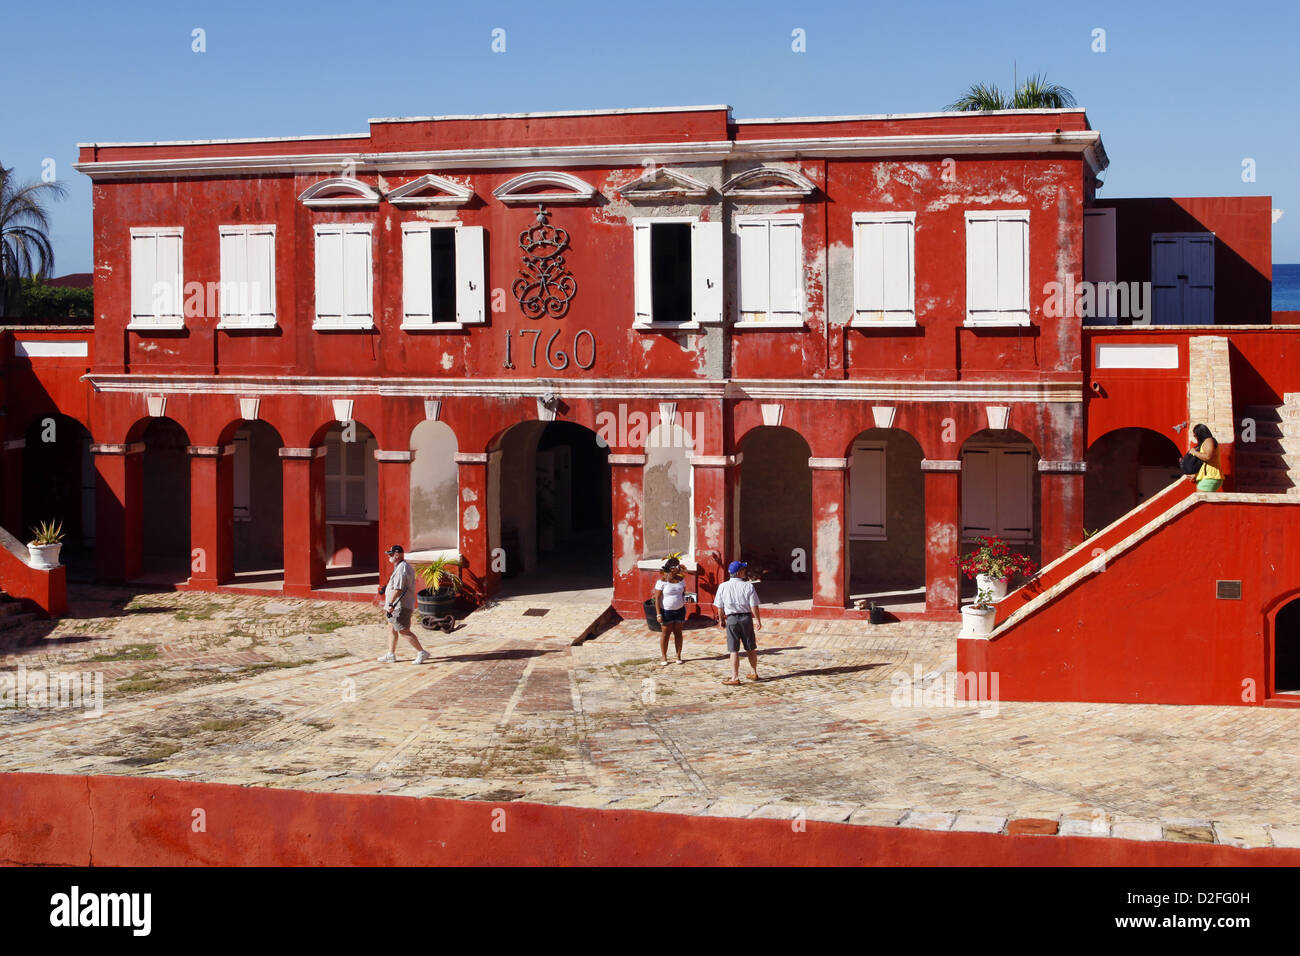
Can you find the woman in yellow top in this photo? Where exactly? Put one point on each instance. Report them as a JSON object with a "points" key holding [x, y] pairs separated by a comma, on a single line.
{"points": [[1204, 447]]}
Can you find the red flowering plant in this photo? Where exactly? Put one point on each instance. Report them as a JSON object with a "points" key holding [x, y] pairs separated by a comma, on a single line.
{"points": [[994, 558]]}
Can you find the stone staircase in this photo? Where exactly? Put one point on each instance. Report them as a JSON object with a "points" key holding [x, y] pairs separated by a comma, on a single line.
{"points": [[12, 614], [1271, 463]]}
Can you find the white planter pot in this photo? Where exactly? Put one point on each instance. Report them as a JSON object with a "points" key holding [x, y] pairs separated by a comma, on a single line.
{"points": [[997, 585], [977, 621], [44, 556]]}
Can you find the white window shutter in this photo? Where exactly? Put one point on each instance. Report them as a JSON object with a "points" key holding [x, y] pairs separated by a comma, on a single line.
{"points": [[169, 273], [868, 259], [978, 492], [867, 493], [706, 271], [417, 297], [356, 275], [752, 253], [786, 270], [641, 276], [1015, 494], [329, 275], [243, 472], [372, 481], [232, 274], [981, 267], [144, 273], [261, 275], [471, 301], [1012, 271], [896, 269]]}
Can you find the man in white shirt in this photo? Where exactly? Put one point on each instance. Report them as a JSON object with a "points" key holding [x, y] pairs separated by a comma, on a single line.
{"points": [[737, 604], [399, 605]]}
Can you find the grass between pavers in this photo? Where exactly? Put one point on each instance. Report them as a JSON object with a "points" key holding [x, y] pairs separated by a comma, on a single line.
{"points": [[127, 652]]}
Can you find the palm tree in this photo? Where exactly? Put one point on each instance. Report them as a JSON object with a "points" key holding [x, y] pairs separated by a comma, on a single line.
{"points": [[1035, 93], [25, 248]]}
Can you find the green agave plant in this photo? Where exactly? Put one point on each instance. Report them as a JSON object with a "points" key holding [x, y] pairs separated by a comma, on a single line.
{"points": [[48, 532]]}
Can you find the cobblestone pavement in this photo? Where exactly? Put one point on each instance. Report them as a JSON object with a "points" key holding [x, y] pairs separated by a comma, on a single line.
{"points": [[849, 722]]}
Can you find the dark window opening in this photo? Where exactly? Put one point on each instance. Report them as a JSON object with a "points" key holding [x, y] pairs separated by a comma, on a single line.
{"points": [[442, 269], [670, 271], [1286, 650]]}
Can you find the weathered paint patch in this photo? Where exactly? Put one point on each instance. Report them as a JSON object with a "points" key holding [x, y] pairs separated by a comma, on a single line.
{"points": [[469, 494], [448, 360], [471, 518]]}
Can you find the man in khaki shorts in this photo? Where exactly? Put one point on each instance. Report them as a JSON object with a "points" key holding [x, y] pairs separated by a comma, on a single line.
{"points": [[737, 604], [399, 606]]}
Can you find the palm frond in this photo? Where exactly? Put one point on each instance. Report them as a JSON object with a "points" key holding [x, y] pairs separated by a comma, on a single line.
{"points": [[1038, 94], [980, 97]]}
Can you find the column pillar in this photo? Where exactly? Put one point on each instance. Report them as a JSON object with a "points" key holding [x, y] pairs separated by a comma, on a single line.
{"points": [[304, 519], [1062, 494], [717, 481], [627, 508], [11, 488], [119, 510], [830, 532], [479, 519], [212, 519], [394, 499], [942, 534]]}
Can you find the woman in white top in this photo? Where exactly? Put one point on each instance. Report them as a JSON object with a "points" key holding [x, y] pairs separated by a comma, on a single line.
{"points": [[670, 606]]}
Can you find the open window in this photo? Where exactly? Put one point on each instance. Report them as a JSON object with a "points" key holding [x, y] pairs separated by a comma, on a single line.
{"points": [[678, 272], [442, 275], [997, 267], [770, 260]]}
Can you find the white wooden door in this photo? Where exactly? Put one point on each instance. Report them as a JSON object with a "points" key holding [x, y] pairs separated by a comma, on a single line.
{"points": [[997, 492], [1182, 278], [867, 492]]}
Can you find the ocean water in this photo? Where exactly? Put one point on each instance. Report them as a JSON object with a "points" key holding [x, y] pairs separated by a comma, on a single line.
{"points": [[1286, 287]]}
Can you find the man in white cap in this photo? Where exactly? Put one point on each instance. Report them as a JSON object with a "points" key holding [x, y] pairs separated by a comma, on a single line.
{"points": [[399, 605], [737, 604]]}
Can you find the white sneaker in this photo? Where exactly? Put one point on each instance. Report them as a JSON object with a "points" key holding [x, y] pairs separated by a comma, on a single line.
{"points": [[421, 657], [388, 659]]}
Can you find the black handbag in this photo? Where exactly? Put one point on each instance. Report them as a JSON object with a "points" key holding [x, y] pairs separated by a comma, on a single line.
{"points": [[1190, 464]]}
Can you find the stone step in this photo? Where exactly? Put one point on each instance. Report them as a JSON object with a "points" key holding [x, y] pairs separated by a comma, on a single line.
{"points": [[1264, 479], [1261, 413], [16, 620], [1261, 446]]}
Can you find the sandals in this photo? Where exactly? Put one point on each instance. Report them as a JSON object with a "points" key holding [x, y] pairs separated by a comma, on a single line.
{"points": [[731, 682], [753, 676]]}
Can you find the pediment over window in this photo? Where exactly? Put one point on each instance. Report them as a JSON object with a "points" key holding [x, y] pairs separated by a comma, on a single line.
{"points": [[544, 187], [430, 190], [340, 193], [662, 183], [769, 182]]}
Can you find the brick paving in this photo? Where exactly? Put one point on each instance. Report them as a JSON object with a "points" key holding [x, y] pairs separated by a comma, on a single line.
{"points": [[263, 692]]}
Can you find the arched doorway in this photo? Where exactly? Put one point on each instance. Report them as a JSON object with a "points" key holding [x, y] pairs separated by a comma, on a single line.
{"points": [[886, 513], [351, 504], [776, 513], [434, 487], [165, 491], [59, 485], [1125, 467], [258, 503], [668, 492], [556, 529], [1001, 493], [1286, 649]]}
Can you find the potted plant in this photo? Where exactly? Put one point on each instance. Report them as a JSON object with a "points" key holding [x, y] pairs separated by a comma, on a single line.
{"points": [[977, 619], [992, 564], [441, 586], [47, 541]]}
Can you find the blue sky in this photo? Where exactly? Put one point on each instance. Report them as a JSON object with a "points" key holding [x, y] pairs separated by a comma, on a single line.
{"points": [[1182, 95]]}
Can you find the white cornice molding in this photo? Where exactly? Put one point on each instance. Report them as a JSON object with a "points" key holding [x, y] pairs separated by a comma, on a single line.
{"points": [[340, 192], [681, 186], [884, 392], [572, 189], [452, 193], [622, 154]]}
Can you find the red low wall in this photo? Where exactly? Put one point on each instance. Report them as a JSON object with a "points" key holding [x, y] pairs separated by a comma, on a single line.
{"points": [[1149, 628], [46, 591], [130, 821]]}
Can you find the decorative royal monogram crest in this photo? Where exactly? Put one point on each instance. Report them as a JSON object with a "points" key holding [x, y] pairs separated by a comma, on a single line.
{"points": [[544, 286]]}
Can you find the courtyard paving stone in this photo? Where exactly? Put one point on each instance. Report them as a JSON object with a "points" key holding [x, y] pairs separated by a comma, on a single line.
{"points": [[285, 693]]}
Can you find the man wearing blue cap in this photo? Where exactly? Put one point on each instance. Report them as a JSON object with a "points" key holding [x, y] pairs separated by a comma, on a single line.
{"points": [[737, 604]]}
